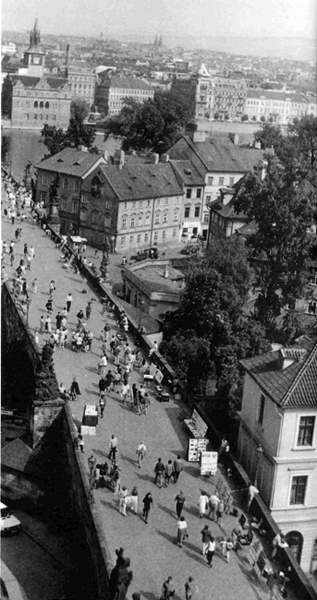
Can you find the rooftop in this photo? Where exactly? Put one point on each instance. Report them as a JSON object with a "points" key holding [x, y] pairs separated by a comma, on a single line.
{"points": [[151, 273], [293, 386], [141, 181], [70, 162], [129, 83]]}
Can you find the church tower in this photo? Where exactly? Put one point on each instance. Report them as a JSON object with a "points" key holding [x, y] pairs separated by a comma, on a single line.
{"points": [[34, 57]]}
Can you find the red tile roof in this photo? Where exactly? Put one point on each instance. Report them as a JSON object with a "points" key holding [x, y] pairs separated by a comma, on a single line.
{"points": [[295, 386]]}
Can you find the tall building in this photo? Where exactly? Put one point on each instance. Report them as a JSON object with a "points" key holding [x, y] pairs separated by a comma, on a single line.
{"points": [[279, 107], [30, 99], [112, 91]]}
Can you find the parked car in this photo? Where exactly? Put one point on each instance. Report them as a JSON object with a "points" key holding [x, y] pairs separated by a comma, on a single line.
{"points": [[190, 250], [8, 522]]}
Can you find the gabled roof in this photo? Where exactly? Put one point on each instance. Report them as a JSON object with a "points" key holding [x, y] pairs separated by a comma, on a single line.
{"points": [[129, 83], [294, 386], [54, 83], [137, 182], [220, 155], [15, 455], [70, 162], [187, 173]]}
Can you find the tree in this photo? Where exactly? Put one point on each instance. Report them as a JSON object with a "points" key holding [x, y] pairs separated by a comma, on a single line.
{"points": [[303, 134], [77, 133], [244, 118], [283, 206], [151, 126], [210, 332]]}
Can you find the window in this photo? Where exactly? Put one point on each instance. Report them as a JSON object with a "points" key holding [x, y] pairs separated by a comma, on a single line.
{"points": [[231, 180], [84, 199], [155, 236], [27, 117], [131, 239], [44, 179], [36, 104], [64, 204], [75, 206], [124, 222], [164, 235], [186, 212], [95, 217], [47, 104], [125, 206], [54, 117], [132, 224], [158, 202], [198, 194], [140, 219], [174, 232], [221, 180], [210, 180], [133, 204], [306, 431], [41, 104], [206, 218], [146, 237], [65, 184], [35, 117], [208, 199], [295, 542], [188, 193], [311, 308], [298, 490], [43, 196], [76, 186], [197, 211], [261, 409], [166, 201], [83, 214], [157, 217], [140, 204], [165, 215], [138, 238], [107, 221], [123, 241], [96, 187]]}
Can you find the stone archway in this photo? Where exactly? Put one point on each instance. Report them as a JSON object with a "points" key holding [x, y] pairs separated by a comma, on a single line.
{"points": [[295, 542]]}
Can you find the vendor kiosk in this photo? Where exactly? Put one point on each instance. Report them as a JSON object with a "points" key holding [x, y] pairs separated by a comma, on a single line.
{"points": [[197, 429], [90, 420]]}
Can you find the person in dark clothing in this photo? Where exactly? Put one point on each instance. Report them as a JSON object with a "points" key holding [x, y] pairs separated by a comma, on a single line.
{"points": [[178, 467], [180, 503], [88, 310], [159, 470], [147, 504], [74, 388], [108, 380], [102, 405], [102, 387], [120, 577], [58, 320], [49, 305]]}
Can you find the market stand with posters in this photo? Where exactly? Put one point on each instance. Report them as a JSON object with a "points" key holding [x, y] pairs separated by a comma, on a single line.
{"points": [[197, 443]]}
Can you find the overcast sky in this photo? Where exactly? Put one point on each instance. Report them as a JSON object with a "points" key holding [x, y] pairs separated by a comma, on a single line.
{"points": [[265, 18]]}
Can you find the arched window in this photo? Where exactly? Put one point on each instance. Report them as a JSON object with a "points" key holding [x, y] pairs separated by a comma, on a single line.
{"points": [[295, 542], [96, 187], [157, 217], [107, 220], [165, 215], [95, 217], [124, 221], [132, 223], [83, 214], [41, 104], [47, 104], [176, 214], [140, 219], [36, 104], [147, 217]]}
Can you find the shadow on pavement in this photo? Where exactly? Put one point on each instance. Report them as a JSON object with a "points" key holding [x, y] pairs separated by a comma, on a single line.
{"points": [[168, 511], [167, 536], [148, 595], [128, 459]]}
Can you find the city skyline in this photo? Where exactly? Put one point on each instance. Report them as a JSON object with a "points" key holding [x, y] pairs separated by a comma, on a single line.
{"points": [[206, 18]]}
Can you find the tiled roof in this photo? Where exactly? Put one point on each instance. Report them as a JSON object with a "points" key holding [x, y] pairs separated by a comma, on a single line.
{"points": [[221, 155], [187, 173], [137, 182], [70, 162], [228, 211], [15, 455], [129, 83], [152, 276], [296, 385], [31, 82], [275, 95]]}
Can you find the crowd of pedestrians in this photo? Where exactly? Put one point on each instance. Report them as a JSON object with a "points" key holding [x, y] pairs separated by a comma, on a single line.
{"points": [[119, 374]]}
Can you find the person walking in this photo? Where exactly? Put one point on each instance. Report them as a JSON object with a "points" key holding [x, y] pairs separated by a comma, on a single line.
{"points": [[102, 387], [116, 353], [48, 324], [202, 504], [113, 448], [116, 382], [168, 589], [219, 513], [147, 505], [42, 324], [210, 550], [178, 467], [168, 472], [102, 405], [252, 490], [182, 533], [88, 310], [92, 463], [12, 259], [124, 392], [123, 493], [141, 451], [134, 499], [226, 547], [190, 589], [213, 506], [69, 300], [205, 538], [180, 503], [34, 286], [159, 470]]}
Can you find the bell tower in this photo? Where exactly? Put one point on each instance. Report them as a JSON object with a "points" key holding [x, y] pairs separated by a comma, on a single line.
{"points": [[34, 57]]}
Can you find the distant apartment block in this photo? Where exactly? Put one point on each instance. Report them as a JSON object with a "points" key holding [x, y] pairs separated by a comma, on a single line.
{"points": [[81, 81], [112, 91], [278, 107]]}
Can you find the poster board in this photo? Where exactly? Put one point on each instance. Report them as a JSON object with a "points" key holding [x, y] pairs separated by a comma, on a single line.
{"points": [[195, 447], [90, 420], [208, 463], [200, 425], [156, 373]]}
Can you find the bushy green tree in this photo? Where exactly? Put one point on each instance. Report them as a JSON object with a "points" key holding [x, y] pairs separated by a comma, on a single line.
{"points": [[77, 133]]}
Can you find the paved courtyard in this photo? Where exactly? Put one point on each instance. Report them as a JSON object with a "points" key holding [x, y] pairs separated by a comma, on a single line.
{"points": [[151, 547]]}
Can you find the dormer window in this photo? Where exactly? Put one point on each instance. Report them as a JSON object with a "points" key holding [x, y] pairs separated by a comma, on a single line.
{"points": [[96, 187]]}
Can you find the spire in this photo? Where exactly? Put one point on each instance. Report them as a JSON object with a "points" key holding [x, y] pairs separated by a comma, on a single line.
{"points": [[159, 42], [35, 36], [156, 41]]}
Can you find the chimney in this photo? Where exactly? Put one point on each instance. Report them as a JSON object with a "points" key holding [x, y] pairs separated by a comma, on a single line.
{"points": [[122, 159], [165, 158], [199, 136], [105, 155], [67, 59], [83, 148], [154, 158], [190, 129], [257, 145], [165, 272]]}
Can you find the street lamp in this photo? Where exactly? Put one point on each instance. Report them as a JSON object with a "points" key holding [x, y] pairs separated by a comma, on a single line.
{"points": [[140, 316], [259, 452]]}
